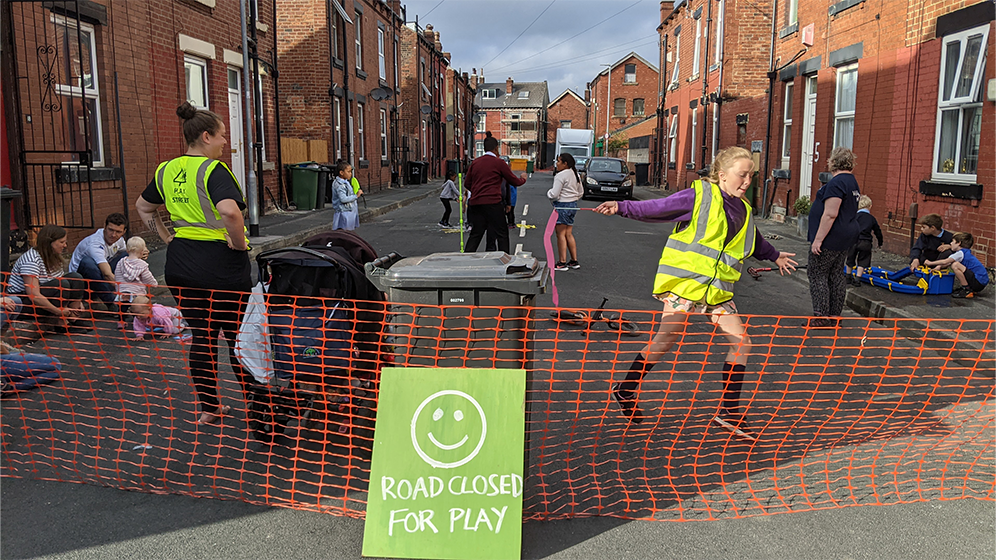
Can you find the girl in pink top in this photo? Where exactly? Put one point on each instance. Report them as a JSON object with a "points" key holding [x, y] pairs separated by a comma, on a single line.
{"points": [[149, 316]]}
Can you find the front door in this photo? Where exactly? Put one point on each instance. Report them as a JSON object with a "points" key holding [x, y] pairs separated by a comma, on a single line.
{"points": [[808, 138], [236, 135]]}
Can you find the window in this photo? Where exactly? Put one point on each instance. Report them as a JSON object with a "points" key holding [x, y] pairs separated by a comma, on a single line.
{"points": [[677, 59], [381, 54], [698, 47], [383, 135], [630, 76], [360, 139], [482, 122], [792, 13], [691, 143], [397, 80], [442, 98], [673, 136], [358, 24], [489, 94], [335, 36], [338, 128], [479, 148], [959, 105], [195, 71], [618, 107], [565, 124], [720, 8], [79, 89], [843, 119], [787, 125], [523, 95], [262, 134], [424, 141], [638, 107], [516, 150]]}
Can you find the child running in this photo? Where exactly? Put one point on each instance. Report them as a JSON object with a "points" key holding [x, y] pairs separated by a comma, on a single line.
{"points": [[447, 196], [701, 261]]}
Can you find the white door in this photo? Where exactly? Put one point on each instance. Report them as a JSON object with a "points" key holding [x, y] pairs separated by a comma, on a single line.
{"points": [[808, 139], [236, 135]]}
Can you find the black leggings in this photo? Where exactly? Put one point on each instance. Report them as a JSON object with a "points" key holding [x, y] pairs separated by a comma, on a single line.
{"points": [[490, 219], [827, 282], [448, 210], [209, 312]]}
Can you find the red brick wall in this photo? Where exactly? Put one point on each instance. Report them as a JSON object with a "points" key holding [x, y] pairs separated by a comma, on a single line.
{"points": [[645, 88], [567, 108]]}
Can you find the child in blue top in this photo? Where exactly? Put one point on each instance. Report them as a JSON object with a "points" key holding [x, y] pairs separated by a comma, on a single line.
{"points": [[971, 274], [347, 213]]}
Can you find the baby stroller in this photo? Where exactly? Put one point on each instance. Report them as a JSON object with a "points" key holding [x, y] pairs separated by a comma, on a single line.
{"points": [[325, 330]]}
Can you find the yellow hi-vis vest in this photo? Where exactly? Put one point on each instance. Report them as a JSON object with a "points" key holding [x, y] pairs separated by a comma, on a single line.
{"points": [[697, 263], [182, 182]]}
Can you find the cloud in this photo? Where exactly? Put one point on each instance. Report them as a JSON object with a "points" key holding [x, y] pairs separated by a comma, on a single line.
{"points": [[476, 31]]}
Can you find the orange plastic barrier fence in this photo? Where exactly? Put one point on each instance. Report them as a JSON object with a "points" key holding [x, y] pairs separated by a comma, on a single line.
{"points": [[871, 412]]}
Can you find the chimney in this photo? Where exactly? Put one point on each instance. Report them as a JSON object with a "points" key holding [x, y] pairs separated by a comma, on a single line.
{"points": [[508, 86], [428, 34], [473, 77], [587, 96], [666, 8]]}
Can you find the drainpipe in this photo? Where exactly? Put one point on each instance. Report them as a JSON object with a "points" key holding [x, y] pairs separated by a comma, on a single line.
{"points": [[705, 83], [252, 196], [771, 100]]}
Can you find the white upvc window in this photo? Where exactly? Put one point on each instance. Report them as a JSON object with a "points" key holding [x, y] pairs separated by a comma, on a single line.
{"points": [[959, 105], [361, 140], [787, 125], [335, 36], [677, 59], [672, 134], [383, 135], [397, 65], [720, 11], [482, 124], [695, 122], [844, 105], [524, 94], [195, 72], [629, 76], [424, 140], [792, 13], [479, 148], [696, 55], [338, 128], [358, 24], [381, 54], [262, 134], [565, 124], [77, 85]]}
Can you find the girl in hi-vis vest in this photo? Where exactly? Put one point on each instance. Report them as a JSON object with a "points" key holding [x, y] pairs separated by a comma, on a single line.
{"points": [[698, 267]]}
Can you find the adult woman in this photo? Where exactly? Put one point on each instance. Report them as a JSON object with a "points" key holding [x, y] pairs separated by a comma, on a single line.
{"points": [[207, 260], [565, 193], [700, 263], [833, 229], [39, 275]]}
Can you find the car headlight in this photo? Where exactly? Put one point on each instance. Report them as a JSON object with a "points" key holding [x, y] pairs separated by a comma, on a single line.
{"points": [[628, 183], [591, 181]]}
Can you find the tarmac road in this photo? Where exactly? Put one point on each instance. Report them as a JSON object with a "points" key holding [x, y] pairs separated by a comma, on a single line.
{"points": [[59, 520]]}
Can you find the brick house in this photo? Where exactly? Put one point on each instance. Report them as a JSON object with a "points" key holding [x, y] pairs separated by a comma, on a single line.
{"points": [[515, 114], [422, 106], [924, 140], [715, 57], [460, 91], [92, 139], [567, 110], [624, 92], [340, 83]]}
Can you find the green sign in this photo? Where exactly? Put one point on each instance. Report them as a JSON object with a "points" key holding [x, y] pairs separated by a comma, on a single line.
{"points": [[446, 474]]}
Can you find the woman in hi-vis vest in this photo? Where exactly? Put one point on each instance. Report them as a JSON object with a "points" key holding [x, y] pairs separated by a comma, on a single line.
{"points": [[207, 258], [700, 263]]}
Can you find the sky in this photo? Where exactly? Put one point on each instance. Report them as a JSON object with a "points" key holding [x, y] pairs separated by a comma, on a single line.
{"points": [[563, 42]]}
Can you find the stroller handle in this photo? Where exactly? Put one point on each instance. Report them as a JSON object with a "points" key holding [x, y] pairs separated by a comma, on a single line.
{"points": [[384, 262], [262, 257]]}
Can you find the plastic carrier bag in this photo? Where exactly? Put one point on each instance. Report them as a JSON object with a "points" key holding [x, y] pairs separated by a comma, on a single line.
{"points": [[252, 345]]}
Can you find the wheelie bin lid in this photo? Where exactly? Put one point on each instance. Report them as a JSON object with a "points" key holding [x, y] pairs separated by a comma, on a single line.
{"points": [[520, 274]]}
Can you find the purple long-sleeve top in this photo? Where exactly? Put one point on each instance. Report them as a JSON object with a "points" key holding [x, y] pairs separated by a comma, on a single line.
{"points": [[678, 208]]}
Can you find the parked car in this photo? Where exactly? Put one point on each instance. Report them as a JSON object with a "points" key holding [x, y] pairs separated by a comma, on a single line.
{"points": [[606, 177], [579, 162]]}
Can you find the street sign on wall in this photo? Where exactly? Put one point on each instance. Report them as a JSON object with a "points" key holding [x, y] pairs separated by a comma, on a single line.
{"points": [[447, 467]]}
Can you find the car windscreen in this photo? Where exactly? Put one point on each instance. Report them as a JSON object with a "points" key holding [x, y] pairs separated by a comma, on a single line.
{"points": [[608, 165]]}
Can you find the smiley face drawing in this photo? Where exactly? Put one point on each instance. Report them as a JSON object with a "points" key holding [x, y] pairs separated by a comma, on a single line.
{"points": [[448, 429]]}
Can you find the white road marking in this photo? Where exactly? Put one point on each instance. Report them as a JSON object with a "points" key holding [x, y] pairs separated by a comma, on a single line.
{"points": [[525, 210], [641, 232], [522, 229], [518, 248]]}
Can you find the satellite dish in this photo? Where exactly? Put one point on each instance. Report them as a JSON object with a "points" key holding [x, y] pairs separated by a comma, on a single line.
{"points": [[425, 109], [477, 118], [380, 94], [449, 118]]}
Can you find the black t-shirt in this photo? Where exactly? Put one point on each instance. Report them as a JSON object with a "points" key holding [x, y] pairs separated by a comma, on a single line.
{"points": [[207, 264], [844, 232]]}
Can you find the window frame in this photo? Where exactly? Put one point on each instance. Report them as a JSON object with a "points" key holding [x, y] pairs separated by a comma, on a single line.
{"points": [[568, 123], [424, 141], [675, 72], [482, 124], [84, 93], [643, 107], [697, 52], [691, 143], [360, 138], [486, 91], [788, 102], [615, 107], [973, 100], [792, 13], [721, 11], [203, 64], [629, 77], [358, 25], [838, 114], [479, 148], [262, 133], [383, 135], [381, 54], [672, 156]]}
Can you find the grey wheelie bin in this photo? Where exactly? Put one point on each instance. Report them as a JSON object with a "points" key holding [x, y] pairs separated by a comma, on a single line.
{"points": [[485, 297]]}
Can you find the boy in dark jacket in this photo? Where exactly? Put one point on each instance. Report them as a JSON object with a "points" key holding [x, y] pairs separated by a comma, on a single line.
{"points": [[933, 244], [861, 253]]}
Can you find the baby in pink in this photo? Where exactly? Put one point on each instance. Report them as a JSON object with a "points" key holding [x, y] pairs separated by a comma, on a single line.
{"points": [[132, 272], [148, 316]]}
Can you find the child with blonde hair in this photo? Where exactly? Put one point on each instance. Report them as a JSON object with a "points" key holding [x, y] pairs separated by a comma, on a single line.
{"points": [[132, 273], [859, 257], [149, 316]]}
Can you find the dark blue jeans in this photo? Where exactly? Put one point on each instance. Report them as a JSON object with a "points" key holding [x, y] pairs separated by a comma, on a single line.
{"points": [[99, 287]]}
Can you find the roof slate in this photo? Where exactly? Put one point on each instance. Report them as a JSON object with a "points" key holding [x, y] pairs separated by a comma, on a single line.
{"points": [[539, 96]]}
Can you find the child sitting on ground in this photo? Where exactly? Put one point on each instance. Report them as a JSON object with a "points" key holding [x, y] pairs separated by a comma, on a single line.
{"points": [[933, 244], [132, 273], [860, 255], [149, 316], [971, 274]]}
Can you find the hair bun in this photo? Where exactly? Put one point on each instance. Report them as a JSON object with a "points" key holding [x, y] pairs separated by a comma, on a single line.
{"points": [[186, 111], [487, 134]]}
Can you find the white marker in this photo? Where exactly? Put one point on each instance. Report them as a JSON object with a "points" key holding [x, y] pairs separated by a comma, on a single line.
{"points": [[518, 248], [522, 229], [525, 210]]}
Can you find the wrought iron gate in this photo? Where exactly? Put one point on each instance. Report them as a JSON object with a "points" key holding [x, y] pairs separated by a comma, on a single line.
{"points": [[56, 100]]}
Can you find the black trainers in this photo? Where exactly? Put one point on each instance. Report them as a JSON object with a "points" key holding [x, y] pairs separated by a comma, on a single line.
{"points": [[574, 264], [734, 423], [963, 292], [627, 402], [561, 266]]}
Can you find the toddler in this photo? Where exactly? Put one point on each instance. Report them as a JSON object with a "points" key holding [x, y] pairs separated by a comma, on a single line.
{"points": [[132, 272], [859, 257], [347, 213], [149, 316]]}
